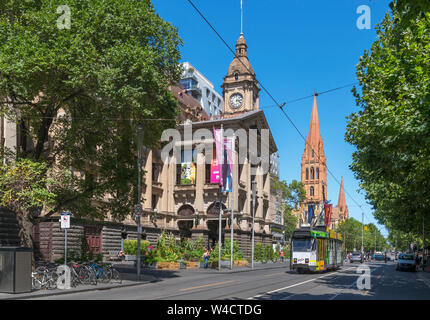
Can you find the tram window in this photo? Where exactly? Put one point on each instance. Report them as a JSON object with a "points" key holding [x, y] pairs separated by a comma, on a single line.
{"points": [[314, 244], [302, 245]]}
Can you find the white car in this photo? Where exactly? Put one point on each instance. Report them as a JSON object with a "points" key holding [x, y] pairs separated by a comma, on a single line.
{"points": [[356, 257], [406, 261]]}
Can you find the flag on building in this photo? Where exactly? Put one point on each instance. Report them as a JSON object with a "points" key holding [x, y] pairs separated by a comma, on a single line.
{"points": [[227, 170], [328, 209], [311, 210]]}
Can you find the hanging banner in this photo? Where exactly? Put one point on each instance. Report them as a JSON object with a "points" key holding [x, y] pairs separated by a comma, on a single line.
{"points": [[188, 168], [227, 169], [311, 209], [219, 152], [215, 176], [328, 209], [188, 173]]}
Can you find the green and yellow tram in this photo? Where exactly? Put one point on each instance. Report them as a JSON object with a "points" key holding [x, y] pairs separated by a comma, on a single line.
{"points": [[315, 249]]}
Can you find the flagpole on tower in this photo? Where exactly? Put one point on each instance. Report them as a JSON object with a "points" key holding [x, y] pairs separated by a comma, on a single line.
{"points": [[241, 17]]}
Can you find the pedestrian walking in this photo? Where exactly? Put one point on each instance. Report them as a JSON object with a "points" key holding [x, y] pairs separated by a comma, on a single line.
{"points": [[282, 255], [206, 258]]}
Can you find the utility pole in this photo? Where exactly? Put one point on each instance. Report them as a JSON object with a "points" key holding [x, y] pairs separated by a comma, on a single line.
{"points": [[254, 187], [362, 233], [139, 142]]}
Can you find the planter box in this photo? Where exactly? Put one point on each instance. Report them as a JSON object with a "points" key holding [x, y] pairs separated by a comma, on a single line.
{"points": [[168, 265], [240, 263], [224, 264], [192, 264]]}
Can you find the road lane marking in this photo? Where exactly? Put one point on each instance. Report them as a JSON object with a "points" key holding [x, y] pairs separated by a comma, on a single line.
{"points": [[274, 274], [207, 285], [297, 284]]}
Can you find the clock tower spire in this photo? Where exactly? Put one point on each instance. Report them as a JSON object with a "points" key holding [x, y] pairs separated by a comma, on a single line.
{"points": [[240, 86]]}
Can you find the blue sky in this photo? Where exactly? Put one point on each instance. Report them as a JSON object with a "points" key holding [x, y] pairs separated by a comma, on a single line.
{"points": [[295, 47]]}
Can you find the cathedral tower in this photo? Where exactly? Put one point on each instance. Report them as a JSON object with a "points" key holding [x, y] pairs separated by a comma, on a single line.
{"points": [[313, 167]]}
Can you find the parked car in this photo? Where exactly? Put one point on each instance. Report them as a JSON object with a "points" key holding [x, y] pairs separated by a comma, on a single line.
{"points": [[406, 262], [357, 257], [378, 257]]}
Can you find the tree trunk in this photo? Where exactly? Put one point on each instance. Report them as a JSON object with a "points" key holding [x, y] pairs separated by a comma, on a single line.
{"points": [[26, 232]]}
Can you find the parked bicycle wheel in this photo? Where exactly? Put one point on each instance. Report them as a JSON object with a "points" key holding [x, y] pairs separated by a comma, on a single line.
{"points": [[115, 277]]}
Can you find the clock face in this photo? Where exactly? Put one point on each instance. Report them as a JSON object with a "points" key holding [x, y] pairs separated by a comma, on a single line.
{"points": [[236, 100]]}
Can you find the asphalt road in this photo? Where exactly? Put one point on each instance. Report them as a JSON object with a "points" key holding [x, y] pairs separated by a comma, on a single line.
{"points": [[277, 284]]}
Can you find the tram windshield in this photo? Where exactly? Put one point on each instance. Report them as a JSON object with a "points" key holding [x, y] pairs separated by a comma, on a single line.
{"points": [[302, 245]]}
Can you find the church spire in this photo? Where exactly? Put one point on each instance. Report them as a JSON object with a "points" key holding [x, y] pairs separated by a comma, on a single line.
{"points": [[314, 137], [341, 203]]}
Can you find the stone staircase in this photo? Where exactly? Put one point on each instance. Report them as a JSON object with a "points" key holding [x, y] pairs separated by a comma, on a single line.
{"points": [[9, 229]]}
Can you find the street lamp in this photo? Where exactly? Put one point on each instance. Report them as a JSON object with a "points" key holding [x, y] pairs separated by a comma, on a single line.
{"points": [[139, 144], [154, 216], [239, 217]]}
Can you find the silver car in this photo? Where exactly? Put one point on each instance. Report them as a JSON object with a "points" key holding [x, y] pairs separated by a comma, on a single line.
{"points": [[406, 261], [356, 257]]}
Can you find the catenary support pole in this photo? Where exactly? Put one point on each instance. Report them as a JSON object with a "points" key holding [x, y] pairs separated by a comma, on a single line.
{"points": [[254, 187]]}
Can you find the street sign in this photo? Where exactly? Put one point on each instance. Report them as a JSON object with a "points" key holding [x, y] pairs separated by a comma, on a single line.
{"points": [[138, 210], [65, 220]]}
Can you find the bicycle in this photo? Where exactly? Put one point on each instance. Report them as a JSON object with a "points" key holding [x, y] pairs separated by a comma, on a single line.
{"points": [[99, 272], [44, 278], [81, 274]]}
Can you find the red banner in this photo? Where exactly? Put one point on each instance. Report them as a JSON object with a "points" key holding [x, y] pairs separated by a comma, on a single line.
{"points": [[327, 209]]}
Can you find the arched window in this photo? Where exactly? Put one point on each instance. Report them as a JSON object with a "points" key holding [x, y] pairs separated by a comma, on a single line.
{"points": [[307, 174], [312, 173], [236, 76], [312, 191], [318, 173]]}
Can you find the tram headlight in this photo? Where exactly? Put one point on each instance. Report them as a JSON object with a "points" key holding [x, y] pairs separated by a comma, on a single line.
{"points": [[306, 260], [295, 260]]}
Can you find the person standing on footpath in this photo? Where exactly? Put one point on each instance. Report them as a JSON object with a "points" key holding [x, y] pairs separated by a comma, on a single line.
{"points": [[206, 258]]}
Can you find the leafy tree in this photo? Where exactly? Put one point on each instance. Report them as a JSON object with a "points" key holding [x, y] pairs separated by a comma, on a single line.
{"points": [[24, 190], [391, 132], [351, 231], [77, 94]]}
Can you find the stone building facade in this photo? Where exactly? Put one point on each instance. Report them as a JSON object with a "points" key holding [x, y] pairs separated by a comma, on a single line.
{"points": [[191, 210]]}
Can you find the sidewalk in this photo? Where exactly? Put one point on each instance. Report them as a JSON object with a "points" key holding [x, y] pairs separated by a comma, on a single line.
{"points": [[128, 274], [424, 276]]}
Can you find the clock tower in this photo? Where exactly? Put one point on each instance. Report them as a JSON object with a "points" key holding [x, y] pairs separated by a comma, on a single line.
{"points": [[240, 87]]}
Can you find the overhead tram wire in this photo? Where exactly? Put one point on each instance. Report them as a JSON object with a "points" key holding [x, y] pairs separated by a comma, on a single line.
{"points": [[281, 106]]}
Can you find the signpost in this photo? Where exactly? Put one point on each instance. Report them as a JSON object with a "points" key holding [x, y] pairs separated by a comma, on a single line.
{"points": [[65, 224]]}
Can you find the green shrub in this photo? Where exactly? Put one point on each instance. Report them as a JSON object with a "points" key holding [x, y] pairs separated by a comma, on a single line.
{"points": [[130, 247], [259, 253]]}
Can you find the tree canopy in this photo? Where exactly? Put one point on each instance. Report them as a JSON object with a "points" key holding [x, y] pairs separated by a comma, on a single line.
{"points": [[78, 93], [391, 132], [351, 231], [291, 194]]}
